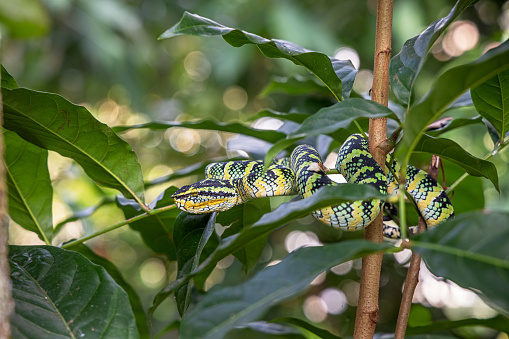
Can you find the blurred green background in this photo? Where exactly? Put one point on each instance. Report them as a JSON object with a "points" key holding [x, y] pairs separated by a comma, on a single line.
{"points": [[104, 54]]}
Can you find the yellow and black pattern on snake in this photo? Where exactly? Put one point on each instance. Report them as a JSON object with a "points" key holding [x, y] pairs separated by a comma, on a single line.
{"points": [[236, 182]]}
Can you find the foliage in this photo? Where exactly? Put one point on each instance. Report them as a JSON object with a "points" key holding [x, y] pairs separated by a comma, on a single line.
{"points": [[79, 290]]}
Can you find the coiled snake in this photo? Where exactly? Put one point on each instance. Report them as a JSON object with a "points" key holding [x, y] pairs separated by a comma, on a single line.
{"points": [[232, 183]]}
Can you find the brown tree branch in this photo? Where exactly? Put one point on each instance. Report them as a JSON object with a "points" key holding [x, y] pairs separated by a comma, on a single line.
{"points": [[367, 309]]}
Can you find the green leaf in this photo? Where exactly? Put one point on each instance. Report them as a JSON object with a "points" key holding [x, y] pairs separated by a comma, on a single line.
{"points": [[30, 194], [61, 294], [191, 233], [491, 99], [450, 85], [320, 332], [234, 127], [453, 152], [134, 299], [471, 250], [325, 68], [278, 147], [156, 230], [227, 307], [455, 123], [407, 64], [7, 80], [294, 85], [340, 115], [27, 19], [265, 330], [499, 323], [326, 196], [51, 122]]}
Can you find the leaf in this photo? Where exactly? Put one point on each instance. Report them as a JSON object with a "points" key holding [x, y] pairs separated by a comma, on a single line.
{"points": [[61, 294], [156, 230], [226, 307], [191, 232], [407, 64], [234, 127], [471, 250], [340, 115], [279, 146], [27, 19], [30, 194], [294, 85], [491, 100], [265, 330], [455, 123], [450, 85], [320, 332], [453, 152], [499, 323], [7, 80], [325, 68], [135, 301], [326, 196], [51, 122], [295, 117]]}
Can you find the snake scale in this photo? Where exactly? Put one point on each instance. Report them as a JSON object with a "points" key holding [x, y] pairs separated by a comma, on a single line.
{"points": [[232, 183]]}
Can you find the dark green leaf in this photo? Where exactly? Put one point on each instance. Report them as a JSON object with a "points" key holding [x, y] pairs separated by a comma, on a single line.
{"points": [[455, 123], [30, 192], [491, 99], [191, 233], [320, 332], [453, 152], [134, 299], [234, 127], [61, 294], [471, 250], [450, 85], [340, 115], [27, 19], [294, 85], [156, 230], [499, 323], [326, 196], [296, 117], [325, 68], [406, 65], [7, 80], [51, 122], [226, 307]]}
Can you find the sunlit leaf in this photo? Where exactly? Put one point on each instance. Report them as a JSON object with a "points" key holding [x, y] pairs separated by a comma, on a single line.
{"points": [[325, 68], [61, 294]]}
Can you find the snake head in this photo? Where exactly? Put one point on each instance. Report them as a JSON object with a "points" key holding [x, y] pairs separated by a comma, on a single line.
{"points": [[207, 196]]}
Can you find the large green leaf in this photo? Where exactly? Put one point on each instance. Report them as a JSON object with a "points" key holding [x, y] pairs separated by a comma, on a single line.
{"points": [[340, 115], [453, 152], [406, 65], [472, 250], [7, 80], [326, 196], [29, 186], [156, 230], [450, 85], [234, 127], [51, 122], [226, 307], [325, 68], [491, 99], [61, 294], [134, 299], [191, 233]]}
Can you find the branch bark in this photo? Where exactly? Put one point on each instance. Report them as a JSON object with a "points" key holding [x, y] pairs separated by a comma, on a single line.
{"points": [[367, 309]]}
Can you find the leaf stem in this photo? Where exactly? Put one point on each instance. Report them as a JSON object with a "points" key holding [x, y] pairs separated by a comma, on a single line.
{"points": [[118, 225]]}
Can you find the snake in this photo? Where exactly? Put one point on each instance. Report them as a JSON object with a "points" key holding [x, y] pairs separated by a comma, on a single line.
{"points": [[228, 184]]}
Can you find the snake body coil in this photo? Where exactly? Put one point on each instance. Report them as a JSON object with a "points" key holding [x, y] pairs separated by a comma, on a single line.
{"points": [[235, 182]]}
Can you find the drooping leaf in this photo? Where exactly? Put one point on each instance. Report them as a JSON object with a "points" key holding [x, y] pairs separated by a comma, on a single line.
{"points": [[471, 250], [325, 68], [294, 85], [7, 80], [30, 194], [61, 294], [453, 152], [406, 65], [340, 115], [491, 99], [226, 307], [191, 233], [27, 19], [234, 127], [326, 196], [51, 122], [156, 230], [320, 332], [450, 85], [134, 299]]}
